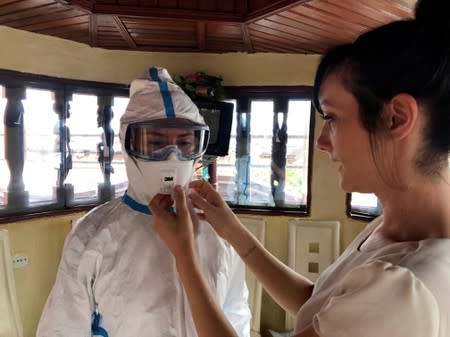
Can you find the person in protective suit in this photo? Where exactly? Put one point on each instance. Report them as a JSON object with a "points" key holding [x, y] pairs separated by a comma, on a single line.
{"points": [[116, 277]]}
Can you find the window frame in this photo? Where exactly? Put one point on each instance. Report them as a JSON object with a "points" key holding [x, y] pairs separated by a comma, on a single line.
{"points": [[10, 78], [355, 214], [248, 93], [15, 79]]}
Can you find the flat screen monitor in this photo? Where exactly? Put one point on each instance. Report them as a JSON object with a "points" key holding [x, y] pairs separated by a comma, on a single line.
{"points": [[218, 116]]}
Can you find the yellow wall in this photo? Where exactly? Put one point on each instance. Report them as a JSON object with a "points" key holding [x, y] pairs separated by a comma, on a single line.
{"points": [[42, 239], [33, 53]]}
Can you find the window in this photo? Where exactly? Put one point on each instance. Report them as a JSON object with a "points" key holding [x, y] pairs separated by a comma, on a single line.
{"points": [[85, 136], [41, 153], [365, 205], [267, 168], [55, 155], [52, 143]]}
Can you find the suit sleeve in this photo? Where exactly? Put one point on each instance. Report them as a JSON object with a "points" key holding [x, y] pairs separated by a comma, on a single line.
{"points": [[236, 306], [379, 299], [69, 307]]}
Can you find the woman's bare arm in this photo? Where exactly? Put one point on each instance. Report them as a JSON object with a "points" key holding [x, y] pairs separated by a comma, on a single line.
{"points": [[177, 231], [288, 288]]}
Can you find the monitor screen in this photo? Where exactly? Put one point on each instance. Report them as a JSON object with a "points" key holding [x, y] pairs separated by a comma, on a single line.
{"points": [[218, 116]]}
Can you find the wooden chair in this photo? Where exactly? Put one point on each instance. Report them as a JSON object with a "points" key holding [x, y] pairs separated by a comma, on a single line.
{"points": [[313, 246]]}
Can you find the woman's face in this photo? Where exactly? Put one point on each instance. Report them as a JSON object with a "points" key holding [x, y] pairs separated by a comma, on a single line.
{"points": [[157, 139], [344, 137], [183, 138]]}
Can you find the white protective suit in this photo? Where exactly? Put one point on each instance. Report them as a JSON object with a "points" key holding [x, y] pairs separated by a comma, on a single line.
{"points": [[114, 263]]}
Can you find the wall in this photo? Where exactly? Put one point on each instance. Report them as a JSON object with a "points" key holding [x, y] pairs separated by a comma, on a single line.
{"points": [[42, 240], [33, 53]]}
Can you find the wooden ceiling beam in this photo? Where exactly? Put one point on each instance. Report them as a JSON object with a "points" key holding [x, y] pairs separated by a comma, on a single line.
{"points": [[87, 5], [201, 35], [172, 49], [124, 32], [243, 14], [246, 38], [167, 13], [93, 30]]}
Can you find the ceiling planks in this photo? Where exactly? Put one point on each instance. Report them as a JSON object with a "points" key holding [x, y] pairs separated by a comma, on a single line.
{"points": [[211, 26]]}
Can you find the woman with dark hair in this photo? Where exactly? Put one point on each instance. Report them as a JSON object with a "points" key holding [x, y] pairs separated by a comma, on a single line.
{"points": [[385, 100]]}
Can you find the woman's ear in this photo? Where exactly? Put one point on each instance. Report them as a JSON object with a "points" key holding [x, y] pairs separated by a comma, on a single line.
{"points": [[401, 115]]}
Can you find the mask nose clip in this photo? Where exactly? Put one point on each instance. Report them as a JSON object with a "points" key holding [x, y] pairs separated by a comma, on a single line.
{"points": [[171, 152]]}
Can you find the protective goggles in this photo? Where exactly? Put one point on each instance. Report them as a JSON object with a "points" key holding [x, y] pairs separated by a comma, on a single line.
{"points": [[157, 140]]}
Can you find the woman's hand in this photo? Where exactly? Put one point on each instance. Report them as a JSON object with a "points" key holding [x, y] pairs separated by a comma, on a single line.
{"points": [[215, 210], [176, 229]]}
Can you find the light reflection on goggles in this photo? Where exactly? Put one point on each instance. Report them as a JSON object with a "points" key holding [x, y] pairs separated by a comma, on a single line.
{"points": [[156, 140]]}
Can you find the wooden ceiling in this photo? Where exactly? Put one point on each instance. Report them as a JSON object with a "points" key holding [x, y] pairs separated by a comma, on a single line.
{"points": [[207, 26]]}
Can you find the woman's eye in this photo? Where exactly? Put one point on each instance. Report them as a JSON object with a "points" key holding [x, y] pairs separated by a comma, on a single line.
{"points": [[155, 144], [327, 118], [185, 146]]}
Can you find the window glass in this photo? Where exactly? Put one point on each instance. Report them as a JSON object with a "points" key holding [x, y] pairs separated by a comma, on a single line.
{"points": [[226, 166], [4, 171], [85, 134], [258, 183], [298, 122], [119, 177], [41, 146], [365, 204], [245, 176]]}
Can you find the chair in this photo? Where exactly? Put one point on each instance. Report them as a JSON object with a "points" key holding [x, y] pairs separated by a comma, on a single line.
{"points": [[313, 246]]}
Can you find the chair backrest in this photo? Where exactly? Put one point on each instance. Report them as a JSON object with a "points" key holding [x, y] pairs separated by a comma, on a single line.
{"points": [[258, 227], [10, 322], [313, 246]]}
